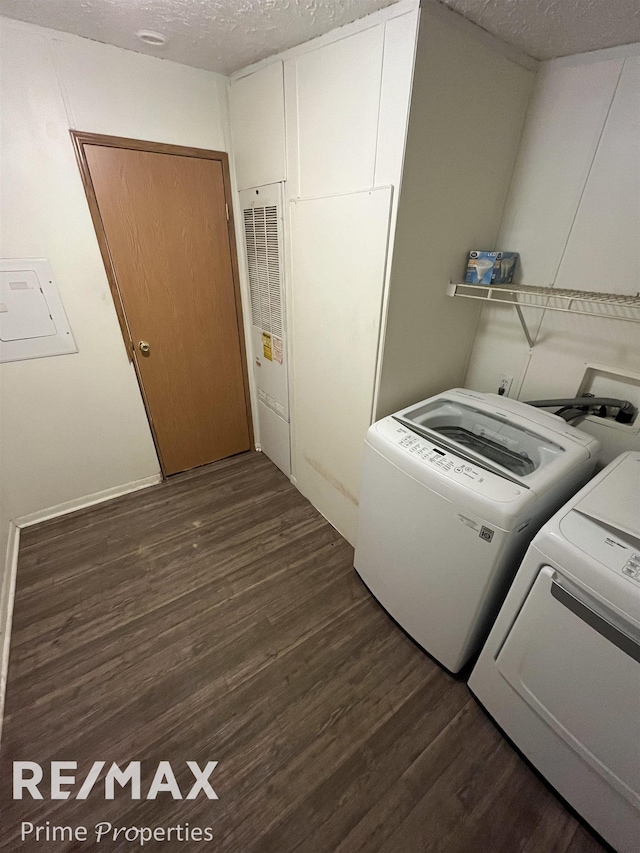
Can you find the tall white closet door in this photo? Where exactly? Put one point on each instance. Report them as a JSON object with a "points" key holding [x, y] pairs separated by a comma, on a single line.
{"points": [[338, 256]]}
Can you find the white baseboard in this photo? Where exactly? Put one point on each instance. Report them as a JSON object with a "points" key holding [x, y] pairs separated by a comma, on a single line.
{"points": [[87, 500], [8, 584]]}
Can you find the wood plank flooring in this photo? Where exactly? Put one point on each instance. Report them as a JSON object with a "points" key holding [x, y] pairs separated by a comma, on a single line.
{"points": [[217, 616]]}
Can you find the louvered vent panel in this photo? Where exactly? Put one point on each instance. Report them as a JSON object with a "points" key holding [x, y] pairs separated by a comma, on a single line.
{"points": [[263, 260], [273, 267], [252, 264]]}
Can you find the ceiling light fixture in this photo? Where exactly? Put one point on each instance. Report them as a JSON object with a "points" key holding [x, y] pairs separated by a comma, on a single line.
{"points": [[151, 37]]}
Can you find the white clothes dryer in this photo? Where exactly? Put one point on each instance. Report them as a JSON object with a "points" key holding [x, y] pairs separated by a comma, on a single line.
{"points": [[453, 490], [560, 671]]}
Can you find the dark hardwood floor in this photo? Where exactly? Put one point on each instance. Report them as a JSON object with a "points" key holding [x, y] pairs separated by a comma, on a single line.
{"points": [[217, 616]]}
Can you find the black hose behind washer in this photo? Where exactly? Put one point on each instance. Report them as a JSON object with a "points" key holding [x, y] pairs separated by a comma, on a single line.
{"points": [[573, 407]]}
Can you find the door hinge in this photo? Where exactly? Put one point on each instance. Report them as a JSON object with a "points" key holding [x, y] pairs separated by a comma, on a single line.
{"points": [[226, 207]]}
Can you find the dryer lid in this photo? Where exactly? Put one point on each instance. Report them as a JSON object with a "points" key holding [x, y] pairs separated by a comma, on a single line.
{"points": [[615, 500]]}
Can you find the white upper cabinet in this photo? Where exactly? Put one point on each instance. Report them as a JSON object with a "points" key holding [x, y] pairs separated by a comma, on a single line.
{"points": [[338, 97], [395, 94], [565, 120], [602, 251], [257, 126]]}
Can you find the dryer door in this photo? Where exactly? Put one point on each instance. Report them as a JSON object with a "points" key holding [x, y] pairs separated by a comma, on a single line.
{"points": [[581, 673]]}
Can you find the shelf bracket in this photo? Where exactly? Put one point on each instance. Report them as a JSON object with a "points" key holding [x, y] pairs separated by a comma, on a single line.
{"points": [[514, 301], [523, 323]]}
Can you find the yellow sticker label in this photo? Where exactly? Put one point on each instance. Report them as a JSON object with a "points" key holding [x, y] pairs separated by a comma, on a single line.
{"points": [[266, 346]]}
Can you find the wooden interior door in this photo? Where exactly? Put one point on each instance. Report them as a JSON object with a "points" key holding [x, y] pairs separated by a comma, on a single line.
{"points": [[164, 222]]}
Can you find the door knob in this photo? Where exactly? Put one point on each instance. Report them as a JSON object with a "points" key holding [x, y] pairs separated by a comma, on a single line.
{"points": [[144, 347]]}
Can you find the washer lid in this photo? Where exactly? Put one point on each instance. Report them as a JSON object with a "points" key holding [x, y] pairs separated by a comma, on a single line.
{"points": [[486, 435]]}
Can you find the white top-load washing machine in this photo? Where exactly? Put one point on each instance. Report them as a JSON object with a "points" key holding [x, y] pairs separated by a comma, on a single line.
{"points": [[453, 490], [560, 671]]}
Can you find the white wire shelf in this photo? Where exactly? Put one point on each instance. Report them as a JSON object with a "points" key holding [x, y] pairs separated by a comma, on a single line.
{"points": [[614, 306]]}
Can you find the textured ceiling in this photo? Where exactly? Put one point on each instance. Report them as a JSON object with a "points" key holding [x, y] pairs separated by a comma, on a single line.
{"points": [[546, 29], [219, 35], [225, 35]]}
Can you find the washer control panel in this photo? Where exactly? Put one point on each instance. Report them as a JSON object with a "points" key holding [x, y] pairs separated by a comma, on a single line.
{"points": [[632, 568], [421, 449], [452, 467]]}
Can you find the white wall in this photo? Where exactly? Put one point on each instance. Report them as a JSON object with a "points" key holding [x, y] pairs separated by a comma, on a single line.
{"points": [[74, 426], [470, 94], [573, 213]]}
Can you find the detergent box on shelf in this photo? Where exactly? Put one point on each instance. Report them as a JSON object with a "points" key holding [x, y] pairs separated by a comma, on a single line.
{"points": [[491, 267]]}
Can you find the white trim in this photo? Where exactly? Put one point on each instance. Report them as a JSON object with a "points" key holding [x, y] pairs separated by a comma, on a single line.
{"points": [[7, 596], [343, 32], [8, 585], [243, 279], [86, 501]]}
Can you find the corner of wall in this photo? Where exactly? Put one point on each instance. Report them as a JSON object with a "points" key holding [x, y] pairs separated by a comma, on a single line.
{"points": [[7, 594], [452, 199]]}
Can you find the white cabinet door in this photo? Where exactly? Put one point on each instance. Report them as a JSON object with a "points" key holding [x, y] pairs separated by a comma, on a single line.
{"points": [[338, 101], [602, 250], [257, 126], [560, 138], [338, 256]]}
